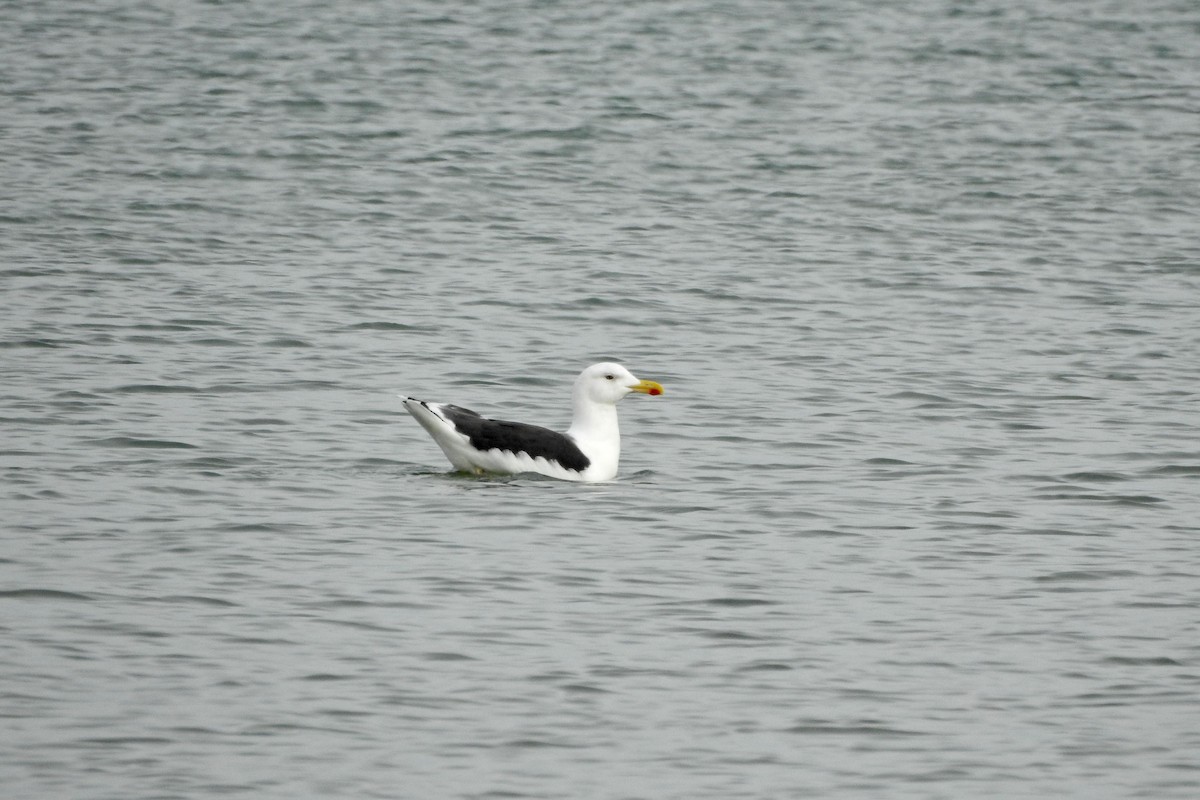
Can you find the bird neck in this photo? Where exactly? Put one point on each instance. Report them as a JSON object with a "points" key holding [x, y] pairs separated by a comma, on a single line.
{"points": [[595, 424]]}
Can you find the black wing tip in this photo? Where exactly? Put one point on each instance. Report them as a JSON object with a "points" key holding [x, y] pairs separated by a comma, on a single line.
{"points": [[453, 409], [405, 399]]}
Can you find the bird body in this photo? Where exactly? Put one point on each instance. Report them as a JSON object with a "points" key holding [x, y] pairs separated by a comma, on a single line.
{"points": [[590, 450]]}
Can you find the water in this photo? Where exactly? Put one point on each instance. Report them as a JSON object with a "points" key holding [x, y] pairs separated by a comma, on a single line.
{"points": [[916, 518]]}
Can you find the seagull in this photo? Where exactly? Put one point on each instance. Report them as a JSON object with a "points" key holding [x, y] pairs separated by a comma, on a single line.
{"points": [[589, 451]]}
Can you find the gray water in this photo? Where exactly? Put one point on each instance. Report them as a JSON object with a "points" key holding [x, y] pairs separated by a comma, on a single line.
{"points": [[916, 518]]}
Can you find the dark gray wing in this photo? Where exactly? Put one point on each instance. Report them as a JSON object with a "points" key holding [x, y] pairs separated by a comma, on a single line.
{"points": [[517, 437]]}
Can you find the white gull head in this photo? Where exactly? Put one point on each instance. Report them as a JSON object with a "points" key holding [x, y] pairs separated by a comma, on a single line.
{"points": [[608, 382]]}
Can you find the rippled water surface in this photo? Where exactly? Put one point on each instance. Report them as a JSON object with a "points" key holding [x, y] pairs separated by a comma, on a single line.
{"points": [[916, 518]]}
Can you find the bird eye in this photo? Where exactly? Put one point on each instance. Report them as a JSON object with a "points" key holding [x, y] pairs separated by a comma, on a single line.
{"points": [[609, 377]]}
